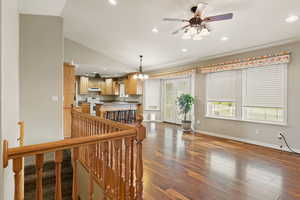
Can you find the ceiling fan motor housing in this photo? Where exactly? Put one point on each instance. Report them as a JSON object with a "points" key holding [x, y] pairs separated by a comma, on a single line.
{"points": [[196, 21]]}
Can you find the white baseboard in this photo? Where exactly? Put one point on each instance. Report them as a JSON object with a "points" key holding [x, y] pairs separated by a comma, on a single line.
{"points": [[273, 146], [159, 121]]}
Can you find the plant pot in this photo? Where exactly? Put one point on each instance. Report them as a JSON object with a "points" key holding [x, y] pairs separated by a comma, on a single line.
{"points": [[186, 125]]}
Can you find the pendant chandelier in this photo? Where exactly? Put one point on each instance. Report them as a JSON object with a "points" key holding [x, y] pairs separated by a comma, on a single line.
{"points": [[140, 75]]}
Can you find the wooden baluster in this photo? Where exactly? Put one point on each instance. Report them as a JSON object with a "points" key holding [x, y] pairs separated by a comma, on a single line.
{"points": [[105, 167], [111, 150], [58, 161], [121, 157], [141, 134], [131, 168], [17, 168], [127, 189], [117, 184], [75, 176], [39, 159], [21, 143], [91, 183], [139, 110]]}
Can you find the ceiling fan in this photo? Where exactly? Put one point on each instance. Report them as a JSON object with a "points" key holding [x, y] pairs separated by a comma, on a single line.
{"points": [[197, 26]]}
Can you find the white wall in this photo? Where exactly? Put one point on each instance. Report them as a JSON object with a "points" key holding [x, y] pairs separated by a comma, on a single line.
{"points": [[9, 90], [246, 131], [41, 77], [90, 60]]}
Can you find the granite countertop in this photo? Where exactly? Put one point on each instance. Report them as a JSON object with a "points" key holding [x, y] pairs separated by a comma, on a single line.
{"points": [[118, 102]]}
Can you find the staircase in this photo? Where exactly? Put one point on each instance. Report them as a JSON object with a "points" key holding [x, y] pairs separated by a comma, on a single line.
{"points": [[110, 151], [49, 179]]}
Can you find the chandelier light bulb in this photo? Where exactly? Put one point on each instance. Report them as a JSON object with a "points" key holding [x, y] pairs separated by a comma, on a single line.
{"points": [[197, 37], [192, 31], [186, 36], [204, 32]]}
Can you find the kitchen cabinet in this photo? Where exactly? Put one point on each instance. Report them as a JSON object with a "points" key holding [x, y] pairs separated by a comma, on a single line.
{"points": [[109, 86], [94, 83], [133, 86], [115, 87], [102, 85], [69, 93], [83, 85]]}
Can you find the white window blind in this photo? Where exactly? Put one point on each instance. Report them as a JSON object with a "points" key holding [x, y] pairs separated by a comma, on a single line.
{"points": [[222, 86], [264, 86], [152, 94]]}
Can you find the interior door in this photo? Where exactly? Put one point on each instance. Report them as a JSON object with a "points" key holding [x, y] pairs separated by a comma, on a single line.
{"points": [[173, 88]]}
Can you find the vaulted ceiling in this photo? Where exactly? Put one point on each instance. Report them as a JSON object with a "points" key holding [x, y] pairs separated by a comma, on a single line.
{"points": [[123, 31]]}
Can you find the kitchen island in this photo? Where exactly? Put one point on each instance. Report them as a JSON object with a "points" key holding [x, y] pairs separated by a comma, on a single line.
{"points": [[125, 112]]}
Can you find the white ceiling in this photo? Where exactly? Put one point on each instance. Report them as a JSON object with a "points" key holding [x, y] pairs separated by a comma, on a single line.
{"points": [[122, 32], [42, 7]]}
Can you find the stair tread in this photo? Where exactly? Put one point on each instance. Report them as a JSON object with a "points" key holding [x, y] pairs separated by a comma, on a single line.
{"points": [[49, 179]]}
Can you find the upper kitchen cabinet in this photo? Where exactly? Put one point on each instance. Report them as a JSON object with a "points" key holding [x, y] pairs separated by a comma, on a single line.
{"points": [[133, 86], [116, 88], [84, 85], [94, 83], [102, 85], [108, 86], [111, 87]]}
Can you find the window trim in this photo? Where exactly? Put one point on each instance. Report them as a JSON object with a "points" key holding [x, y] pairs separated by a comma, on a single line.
{"points": [[239, 107], [249, 121]]}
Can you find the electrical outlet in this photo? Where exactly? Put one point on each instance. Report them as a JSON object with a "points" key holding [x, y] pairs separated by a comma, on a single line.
{"points": [[257, 131], [279, 136], [198, 121]]}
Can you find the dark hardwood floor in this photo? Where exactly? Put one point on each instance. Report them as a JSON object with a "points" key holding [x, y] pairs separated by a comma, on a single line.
{"points": [[180, 167]]}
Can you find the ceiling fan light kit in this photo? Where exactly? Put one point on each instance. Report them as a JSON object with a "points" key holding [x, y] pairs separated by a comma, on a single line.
{"points": [[197, 27]]}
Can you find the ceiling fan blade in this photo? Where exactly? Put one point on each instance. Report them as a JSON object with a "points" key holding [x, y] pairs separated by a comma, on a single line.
{"points": [[182, 28], [219, 17], [175, 20], [200, 8]]}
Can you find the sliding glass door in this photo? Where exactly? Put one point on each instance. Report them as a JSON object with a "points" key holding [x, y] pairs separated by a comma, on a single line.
{"points": [[173, 88]]}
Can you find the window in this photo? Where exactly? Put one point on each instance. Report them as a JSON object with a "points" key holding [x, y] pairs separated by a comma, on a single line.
{"points": [[222, 109], [264, 93], [152, 94], [222, 102], [122, 90], [254, 94]]}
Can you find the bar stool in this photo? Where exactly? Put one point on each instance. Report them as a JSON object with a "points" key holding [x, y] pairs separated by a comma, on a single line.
{"points": [[131, 117]]}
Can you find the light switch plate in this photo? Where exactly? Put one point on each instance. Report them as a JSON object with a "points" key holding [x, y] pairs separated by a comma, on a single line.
{"points": [[54, 98]]}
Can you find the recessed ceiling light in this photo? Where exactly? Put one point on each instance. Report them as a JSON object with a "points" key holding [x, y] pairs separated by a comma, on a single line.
{"points": [[291, 18], [224, 38], [112, 2], [184, 50], [155, 30]]}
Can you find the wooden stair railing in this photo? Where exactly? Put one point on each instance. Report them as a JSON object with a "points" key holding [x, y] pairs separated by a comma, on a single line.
{"points": [[110, 151]]}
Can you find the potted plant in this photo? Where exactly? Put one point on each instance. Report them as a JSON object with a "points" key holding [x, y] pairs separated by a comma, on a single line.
{"points": [[185, 103]]}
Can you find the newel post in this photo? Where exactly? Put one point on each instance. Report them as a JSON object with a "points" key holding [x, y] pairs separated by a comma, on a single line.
{"points": [[141, 134], [99, 111], [139, 110]]}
